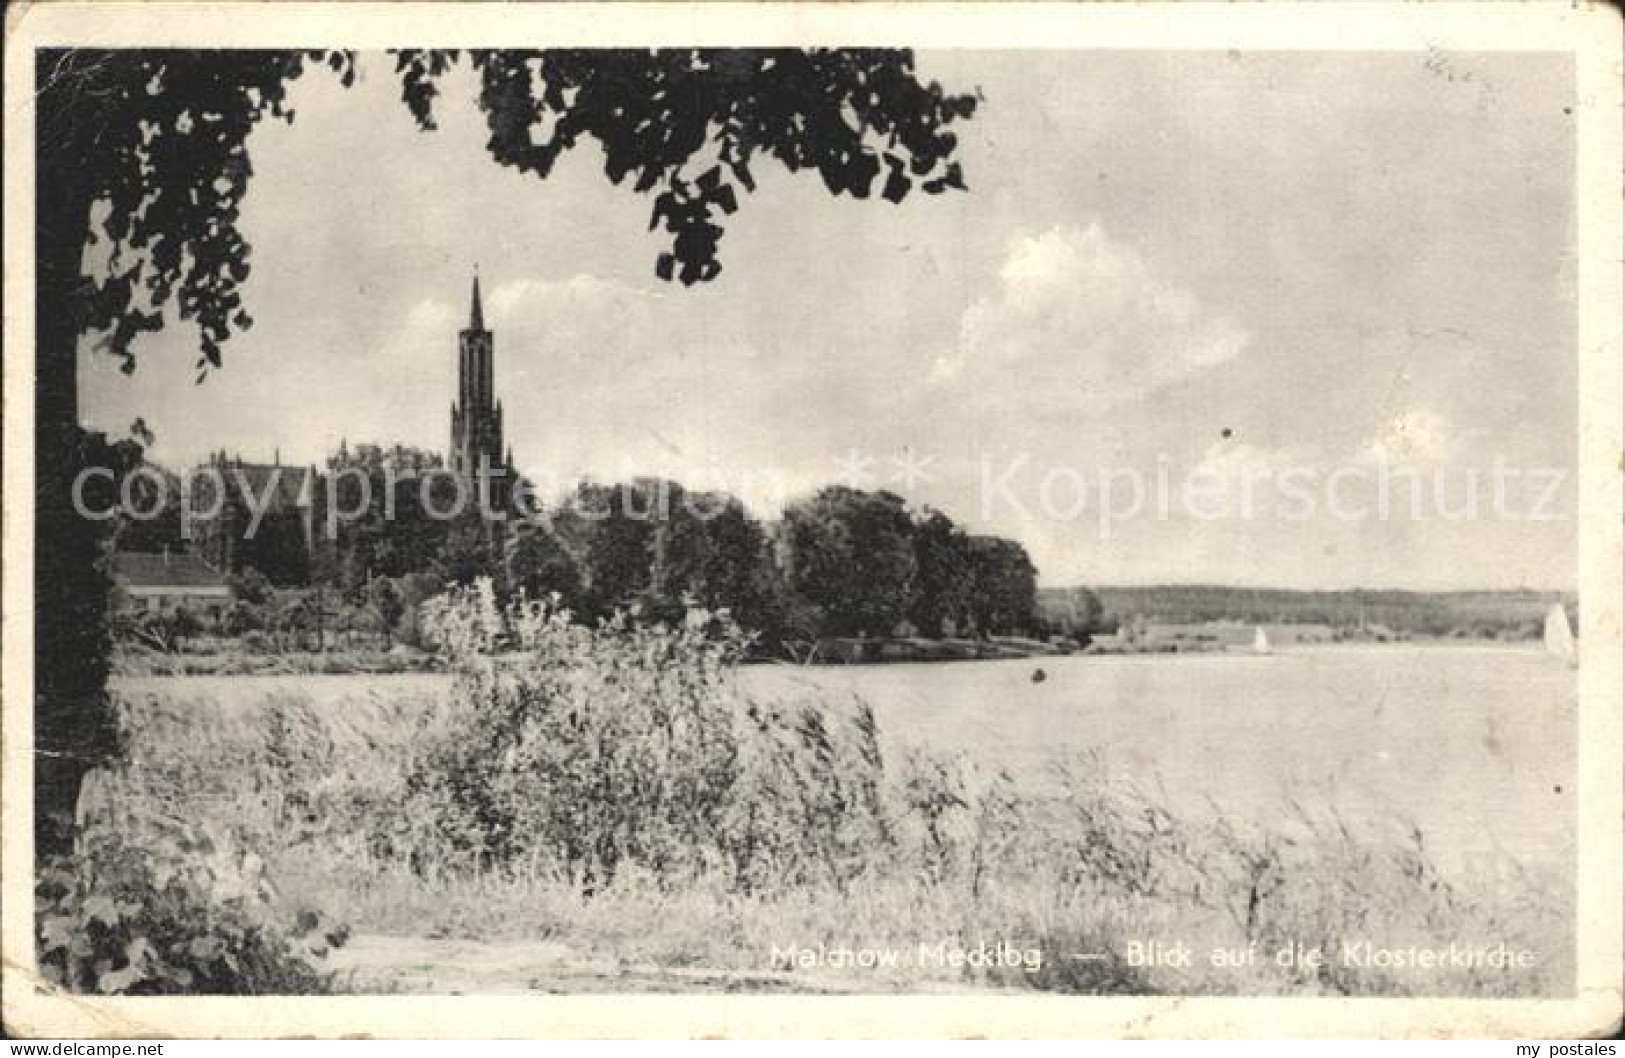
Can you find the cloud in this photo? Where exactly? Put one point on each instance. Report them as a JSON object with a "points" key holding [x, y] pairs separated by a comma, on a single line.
{"points": [[1237, 461], [1413, 436], [518, 298], [604, 378], [1084, 316], [432, 320]]}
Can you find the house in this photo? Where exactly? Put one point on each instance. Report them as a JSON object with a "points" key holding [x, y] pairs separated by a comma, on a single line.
{"points": [[1299, 633], [152, 582], [1225, 635], [265, 519], [1210, 635], [853, 650], [1381, 633]]}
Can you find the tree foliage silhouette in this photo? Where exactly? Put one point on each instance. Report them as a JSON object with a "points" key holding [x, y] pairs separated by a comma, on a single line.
{"points": [[853, 558], [143, 157]]}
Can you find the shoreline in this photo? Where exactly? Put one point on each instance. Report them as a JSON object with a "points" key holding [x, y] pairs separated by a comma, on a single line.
{"points": [[302, 665]]}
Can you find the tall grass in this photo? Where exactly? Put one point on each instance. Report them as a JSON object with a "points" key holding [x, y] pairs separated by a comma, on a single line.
{"points": [[613, 791]]}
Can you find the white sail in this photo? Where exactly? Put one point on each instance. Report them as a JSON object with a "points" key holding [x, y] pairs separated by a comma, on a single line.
{"points": [[1261, 642], [1559, 637]]}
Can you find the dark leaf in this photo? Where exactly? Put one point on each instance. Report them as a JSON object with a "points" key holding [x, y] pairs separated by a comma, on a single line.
{"points": [[897, 185], [171, 162]]}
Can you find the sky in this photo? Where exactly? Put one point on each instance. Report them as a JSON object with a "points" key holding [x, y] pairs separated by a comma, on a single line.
{"points": [[1239, 268]]}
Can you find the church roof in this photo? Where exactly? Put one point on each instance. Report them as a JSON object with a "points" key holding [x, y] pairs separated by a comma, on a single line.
{"points": [[282, 489], [284, 485], [476, 317]]}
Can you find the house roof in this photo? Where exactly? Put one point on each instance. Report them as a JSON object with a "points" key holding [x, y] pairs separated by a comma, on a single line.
{"points": [[281, 488], [142, 569], [284, 485]]}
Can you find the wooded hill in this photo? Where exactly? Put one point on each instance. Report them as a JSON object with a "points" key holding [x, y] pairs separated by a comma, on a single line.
{"points": [[1477, 613]]}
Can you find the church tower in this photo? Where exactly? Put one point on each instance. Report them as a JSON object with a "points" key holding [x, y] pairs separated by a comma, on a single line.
{"points": [[476, 415]]}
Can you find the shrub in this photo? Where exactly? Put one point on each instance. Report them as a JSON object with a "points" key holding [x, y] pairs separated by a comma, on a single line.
{"points": [[384, 809], [183, 914], [806, 805], [592, 748], [251, 586], [242, 619]]}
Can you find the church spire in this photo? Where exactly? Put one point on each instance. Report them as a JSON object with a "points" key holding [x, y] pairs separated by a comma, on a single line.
{"points": [[476, 318]]}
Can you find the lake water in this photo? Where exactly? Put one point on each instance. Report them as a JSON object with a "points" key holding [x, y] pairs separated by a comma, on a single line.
{"points": [[1474, 745]]}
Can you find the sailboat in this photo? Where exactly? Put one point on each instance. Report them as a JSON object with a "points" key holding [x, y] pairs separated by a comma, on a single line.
{"points": [[1261, 642], [1559, 637]]}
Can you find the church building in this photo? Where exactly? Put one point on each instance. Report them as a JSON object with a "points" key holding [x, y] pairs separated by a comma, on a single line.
{"points": [[476, 414]]}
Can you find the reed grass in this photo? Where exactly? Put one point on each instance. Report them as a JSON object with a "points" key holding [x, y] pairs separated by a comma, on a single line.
{"points": [[694, 827]]}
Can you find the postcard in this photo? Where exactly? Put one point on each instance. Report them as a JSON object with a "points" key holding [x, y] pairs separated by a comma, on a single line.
{"points": [[812, 519]]}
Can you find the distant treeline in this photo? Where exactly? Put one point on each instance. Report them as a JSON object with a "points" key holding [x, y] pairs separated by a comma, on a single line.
{"points": [[841, 562], [1417, 613]]}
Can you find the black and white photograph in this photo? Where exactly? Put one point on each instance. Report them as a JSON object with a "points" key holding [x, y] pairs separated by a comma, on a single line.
{"points": [[504, 512]]}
